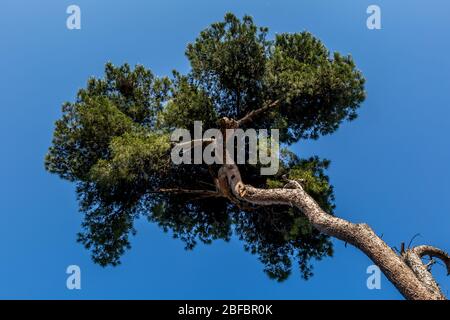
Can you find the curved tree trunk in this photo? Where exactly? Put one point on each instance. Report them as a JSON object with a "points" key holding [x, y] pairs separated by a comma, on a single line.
{"points": [[406, 271]]}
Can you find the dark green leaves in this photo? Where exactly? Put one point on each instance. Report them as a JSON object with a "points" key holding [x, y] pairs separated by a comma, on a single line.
{"points": [[280, 235], [82, 136], [113, 142], [137, 93], [108, 144], [317, 91], [228, 61], [240, 70], [188, 103]]}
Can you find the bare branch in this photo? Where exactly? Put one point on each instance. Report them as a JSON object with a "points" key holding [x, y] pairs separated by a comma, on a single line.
{"points": [[413, 258], [430, 264], [434, 252], [412, 239], [253, 114], [359, 235], [193, 143], [407, 274], [201, 193]]}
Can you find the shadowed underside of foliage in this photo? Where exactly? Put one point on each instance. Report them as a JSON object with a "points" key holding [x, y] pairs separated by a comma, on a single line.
{"points": [[113, 142]]}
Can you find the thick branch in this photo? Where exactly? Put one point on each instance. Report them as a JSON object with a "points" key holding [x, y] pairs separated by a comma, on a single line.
{"points": [[359, 235], [413, 257], [201, 193], [255, 113], [434, 252], [193, 143]]}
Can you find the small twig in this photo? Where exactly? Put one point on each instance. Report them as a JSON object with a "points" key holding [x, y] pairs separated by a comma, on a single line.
{"points": [[193, 143], [251, 115], [203, 193], [430, 264], [292, 184], [412, 239]]}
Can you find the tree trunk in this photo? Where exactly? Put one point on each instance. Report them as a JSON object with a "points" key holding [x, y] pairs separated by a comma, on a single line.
{"points": [[406, 271]]}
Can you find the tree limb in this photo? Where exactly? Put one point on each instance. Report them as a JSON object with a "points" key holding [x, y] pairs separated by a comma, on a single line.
{"points": [[359, 235], [193, 143], [413, 258], [253, 114], [434, 252], [202, 193]]}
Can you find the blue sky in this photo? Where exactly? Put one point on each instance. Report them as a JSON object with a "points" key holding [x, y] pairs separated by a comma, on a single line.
{"points": [[389, 167]]}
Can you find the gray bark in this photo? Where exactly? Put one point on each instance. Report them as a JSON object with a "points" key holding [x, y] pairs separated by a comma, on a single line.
{"points": [[407, 272]]}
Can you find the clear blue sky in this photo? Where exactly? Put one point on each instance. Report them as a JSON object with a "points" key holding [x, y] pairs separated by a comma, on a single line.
{"points": [[390, 168]]}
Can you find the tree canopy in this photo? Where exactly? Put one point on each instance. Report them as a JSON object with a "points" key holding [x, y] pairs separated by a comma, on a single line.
{"points": [[113, 141]]}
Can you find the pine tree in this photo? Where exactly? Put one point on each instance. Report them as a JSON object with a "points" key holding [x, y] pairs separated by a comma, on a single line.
{"points": [[114, 143]]}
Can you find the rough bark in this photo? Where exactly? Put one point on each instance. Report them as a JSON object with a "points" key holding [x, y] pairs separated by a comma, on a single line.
{"points": [[406, 270], [406, 279], [255, 113], [413, 258]]}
